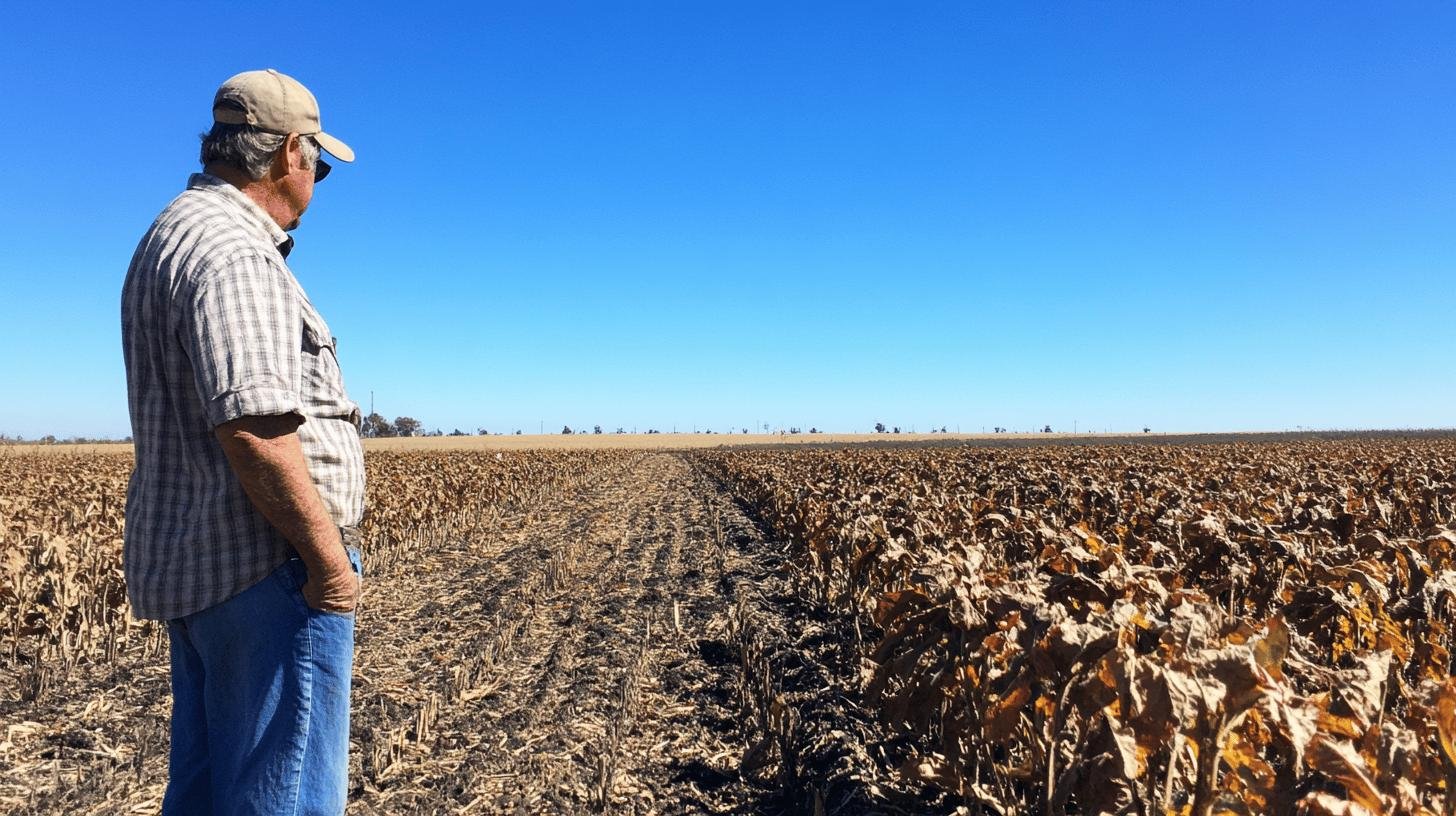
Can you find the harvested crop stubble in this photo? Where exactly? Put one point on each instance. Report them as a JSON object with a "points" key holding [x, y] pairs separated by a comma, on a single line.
{"points": [[82, 672], [1243, 628]]}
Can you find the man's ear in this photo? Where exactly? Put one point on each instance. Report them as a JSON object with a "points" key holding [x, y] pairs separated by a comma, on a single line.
{"points": [[289, 157]]}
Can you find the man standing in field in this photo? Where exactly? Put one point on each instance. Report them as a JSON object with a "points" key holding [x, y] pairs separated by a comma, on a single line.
{"points": [[249, 471]]}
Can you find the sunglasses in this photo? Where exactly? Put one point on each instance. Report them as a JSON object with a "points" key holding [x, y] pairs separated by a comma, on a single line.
{"points": [[321, 169]]}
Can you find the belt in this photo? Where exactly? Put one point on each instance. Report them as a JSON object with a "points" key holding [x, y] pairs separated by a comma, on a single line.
{"points": [[351, 536]]}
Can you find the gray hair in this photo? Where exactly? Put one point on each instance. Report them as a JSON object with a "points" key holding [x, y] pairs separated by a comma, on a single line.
{"points": [[246, 148]]}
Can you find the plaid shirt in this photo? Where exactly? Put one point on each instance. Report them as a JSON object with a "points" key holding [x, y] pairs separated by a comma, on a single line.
{"points": [[215, 327]]}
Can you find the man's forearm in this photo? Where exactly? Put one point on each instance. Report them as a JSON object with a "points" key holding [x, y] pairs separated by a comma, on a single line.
{"points": [[267, 457]]}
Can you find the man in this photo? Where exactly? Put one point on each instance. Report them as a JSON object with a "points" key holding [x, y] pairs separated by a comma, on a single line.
{"points": [[249, 470]]}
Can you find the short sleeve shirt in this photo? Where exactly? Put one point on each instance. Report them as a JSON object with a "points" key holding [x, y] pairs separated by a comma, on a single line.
{"points": [[215, 327]]}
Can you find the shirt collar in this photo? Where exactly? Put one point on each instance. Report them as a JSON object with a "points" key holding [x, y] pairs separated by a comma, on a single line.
{"points": [[256, 217]]}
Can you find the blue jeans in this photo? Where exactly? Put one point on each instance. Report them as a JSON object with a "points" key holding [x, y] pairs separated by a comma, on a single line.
{"points": [[260, 704]]}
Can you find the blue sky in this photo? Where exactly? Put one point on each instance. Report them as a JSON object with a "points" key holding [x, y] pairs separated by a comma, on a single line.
{"points": [[1191, 216]]}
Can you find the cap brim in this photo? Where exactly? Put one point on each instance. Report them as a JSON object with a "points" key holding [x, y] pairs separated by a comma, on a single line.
{"points": [[336, 148]]}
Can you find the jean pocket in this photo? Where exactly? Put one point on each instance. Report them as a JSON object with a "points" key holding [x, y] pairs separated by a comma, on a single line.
{"points": [[291, 575]]}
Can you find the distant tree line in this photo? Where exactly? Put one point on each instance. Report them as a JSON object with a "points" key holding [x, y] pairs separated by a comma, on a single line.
{"points": [[376, 427]]}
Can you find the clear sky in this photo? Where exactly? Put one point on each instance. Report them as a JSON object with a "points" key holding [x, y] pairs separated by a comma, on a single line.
{"points": [[1190, 216]]}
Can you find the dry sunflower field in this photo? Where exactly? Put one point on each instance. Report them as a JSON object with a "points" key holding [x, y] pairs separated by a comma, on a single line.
{"points": [[1241, 627]]}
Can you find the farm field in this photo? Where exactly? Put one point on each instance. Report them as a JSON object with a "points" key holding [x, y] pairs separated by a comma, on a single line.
{"points": [[680, 441], [1240, 627]]}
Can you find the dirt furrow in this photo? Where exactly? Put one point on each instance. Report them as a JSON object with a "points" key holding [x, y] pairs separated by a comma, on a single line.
{"points": [[809, 744], [460, 632], [550, 723]]}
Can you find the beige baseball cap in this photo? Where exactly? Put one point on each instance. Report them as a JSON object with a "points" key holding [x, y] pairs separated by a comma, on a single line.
{"points": [[277, 103]]}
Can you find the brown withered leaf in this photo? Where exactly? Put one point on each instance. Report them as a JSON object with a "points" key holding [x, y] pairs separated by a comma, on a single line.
{"points": [[893, 605], [1339, 725], [1003, 715], [1294, 719], [1155, 709], [1193, 697], [1361, 690], [1253, 779], [1271, 649], [1206, 531], [1089, 539], [1320, 803], [1244, 681], [1341, 762], [1371, 576], [1128, 750], [993, 521], [1446, 722], [1440, 550], [1068, 643]]}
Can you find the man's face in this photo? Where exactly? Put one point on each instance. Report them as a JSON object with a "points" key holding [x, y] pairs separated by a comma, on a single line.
{"points": [[296, 187]]}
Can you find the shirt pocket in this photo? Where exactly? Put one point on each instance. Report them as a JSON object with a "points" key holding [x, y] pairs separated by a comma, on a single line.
{"points": [[322, 382]]}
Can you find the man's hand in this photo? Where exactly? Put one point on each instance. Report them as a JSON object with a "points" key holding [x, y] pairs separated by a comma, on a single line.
{"points": [[333, 592], [265, 453]]}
